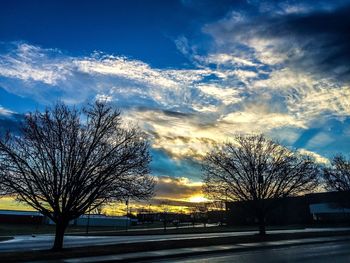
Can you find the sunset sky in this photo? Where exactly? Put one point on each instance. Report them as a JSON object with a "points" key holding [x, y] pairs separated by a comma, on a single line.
{"points": [[190, 73]]}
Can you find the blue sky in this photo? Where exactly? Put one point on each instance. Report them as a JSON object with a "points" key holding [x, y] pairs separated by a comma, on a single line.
{"points": [[190, 73]]}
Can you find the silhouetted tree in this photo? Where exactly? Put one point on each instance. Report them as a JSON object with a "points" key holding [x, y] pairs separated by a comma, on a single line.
{"points": [[253, 169], [67, 162], [165, 208], [337, 176]]}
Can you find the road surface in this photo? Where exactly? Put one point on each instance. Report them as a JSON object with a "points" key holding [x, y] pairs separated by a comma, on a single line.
{"points": [[338, 252], [26, 242]]}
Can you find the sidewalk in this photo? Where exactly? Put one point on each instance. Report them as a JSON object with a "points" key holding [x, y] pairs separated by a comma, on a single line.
{"points": [[183, 252]]}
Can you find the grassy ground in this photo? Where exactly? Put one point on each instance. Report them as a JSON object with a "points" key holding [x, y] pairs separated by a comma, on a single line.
{"points": [[25, 229], [187, 230], [28, 229], [4, 238], [156, 245]]}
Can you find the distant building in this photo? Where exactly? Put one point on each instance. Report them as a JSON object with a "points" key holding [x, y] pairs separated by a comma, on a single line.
{"points": [[21, 217], [329, 207], [99, 220], [102, 220], [34, 217], [145, 217]]}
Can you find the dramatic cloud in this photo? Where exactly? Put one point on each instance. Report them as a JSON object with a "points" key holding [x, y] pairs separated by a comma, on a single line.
{"points": [[178, 188], [293, 34], [276, 67], [184, 110]]}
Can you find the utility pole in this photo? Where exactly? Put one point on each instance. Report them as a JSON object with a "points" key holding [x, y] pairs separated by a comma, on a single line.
{"points": [[226, 210], [88, 223], [127, 212]]}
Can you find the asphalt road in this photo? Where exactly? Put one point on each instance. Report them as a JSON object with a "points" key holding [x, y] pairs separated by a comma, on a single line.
{"points": [[26, 242], [337, 252]]}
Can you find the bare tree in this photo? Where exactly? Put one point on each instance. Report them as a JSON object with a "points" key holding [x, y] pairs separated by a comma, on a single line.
{"points": [[67, 162], [253, 169], [337, 177], [99, 209]]}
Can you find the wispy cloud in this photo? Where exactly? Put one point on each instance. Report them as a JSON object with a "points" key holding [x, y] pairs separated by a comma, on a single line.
{"points": [[31, 63], [5, 112], [317, 157]]}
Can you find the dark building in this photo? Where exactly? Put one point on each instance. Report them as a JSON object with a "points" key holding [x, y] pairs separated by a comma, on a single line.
{"points": [[161, 216], [329, 207], [21, 217], [36, 218]]}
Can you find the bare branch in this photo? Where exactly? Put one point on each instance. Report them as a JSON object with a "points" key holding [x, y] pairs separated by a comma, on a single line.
{"points": [[255, 168], [68, 161]]}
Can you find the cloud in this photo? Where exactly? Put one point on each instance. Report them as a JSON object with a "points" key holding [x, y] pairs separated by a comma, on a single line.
{"points": [[227, 95], [164, 164], [294, 34], [5, 112], [288, 97], [317, 157], [261, 120], [48, 74], [241, 85], [274, 67], [29, 63], [179, 135], [307, 97], [320, 140], [178, 188], [229, 59]]}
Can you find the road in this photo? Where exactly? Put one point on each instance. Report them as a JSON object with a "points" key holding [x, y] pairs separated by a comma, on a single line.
{"points": [[26, 242], [338, 252]]}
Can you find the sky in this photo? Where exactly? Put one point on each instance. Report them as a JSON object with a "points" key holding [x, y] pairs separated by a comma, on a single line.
{"points": [[190, 73]]}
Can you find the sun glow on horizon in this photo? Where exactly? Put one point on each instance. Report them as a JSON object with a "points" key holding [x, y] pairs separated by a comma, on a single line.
{"points": [[198, 199]]}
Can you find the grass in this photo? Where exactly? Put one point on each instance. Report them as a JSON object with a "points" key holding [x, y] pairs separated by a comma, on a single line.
{"points": [[26, 229], [188, 230], [156, 245], [5, 238]]}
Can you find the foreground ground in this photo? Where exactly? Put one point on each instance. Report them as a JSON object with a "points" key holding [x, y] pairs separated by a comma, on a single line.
{"points": [[82, 246], [42, 242], [337, 251]]}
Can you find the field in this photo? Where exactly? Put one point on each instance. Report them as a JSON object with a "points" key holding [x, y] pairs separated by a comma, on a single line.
{"points": [[147, 229]]}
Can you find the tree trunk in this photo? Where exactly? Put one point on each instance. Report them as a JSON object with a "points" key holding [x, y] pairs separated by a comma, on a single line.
{"points": [[262, 227], [61, 226]]}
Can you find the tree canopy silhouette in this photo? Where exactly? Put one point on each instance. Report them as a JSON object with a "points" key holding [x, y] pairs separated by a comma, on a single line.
{"points": [[68, 161], [254, 169], [337, 176]]}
